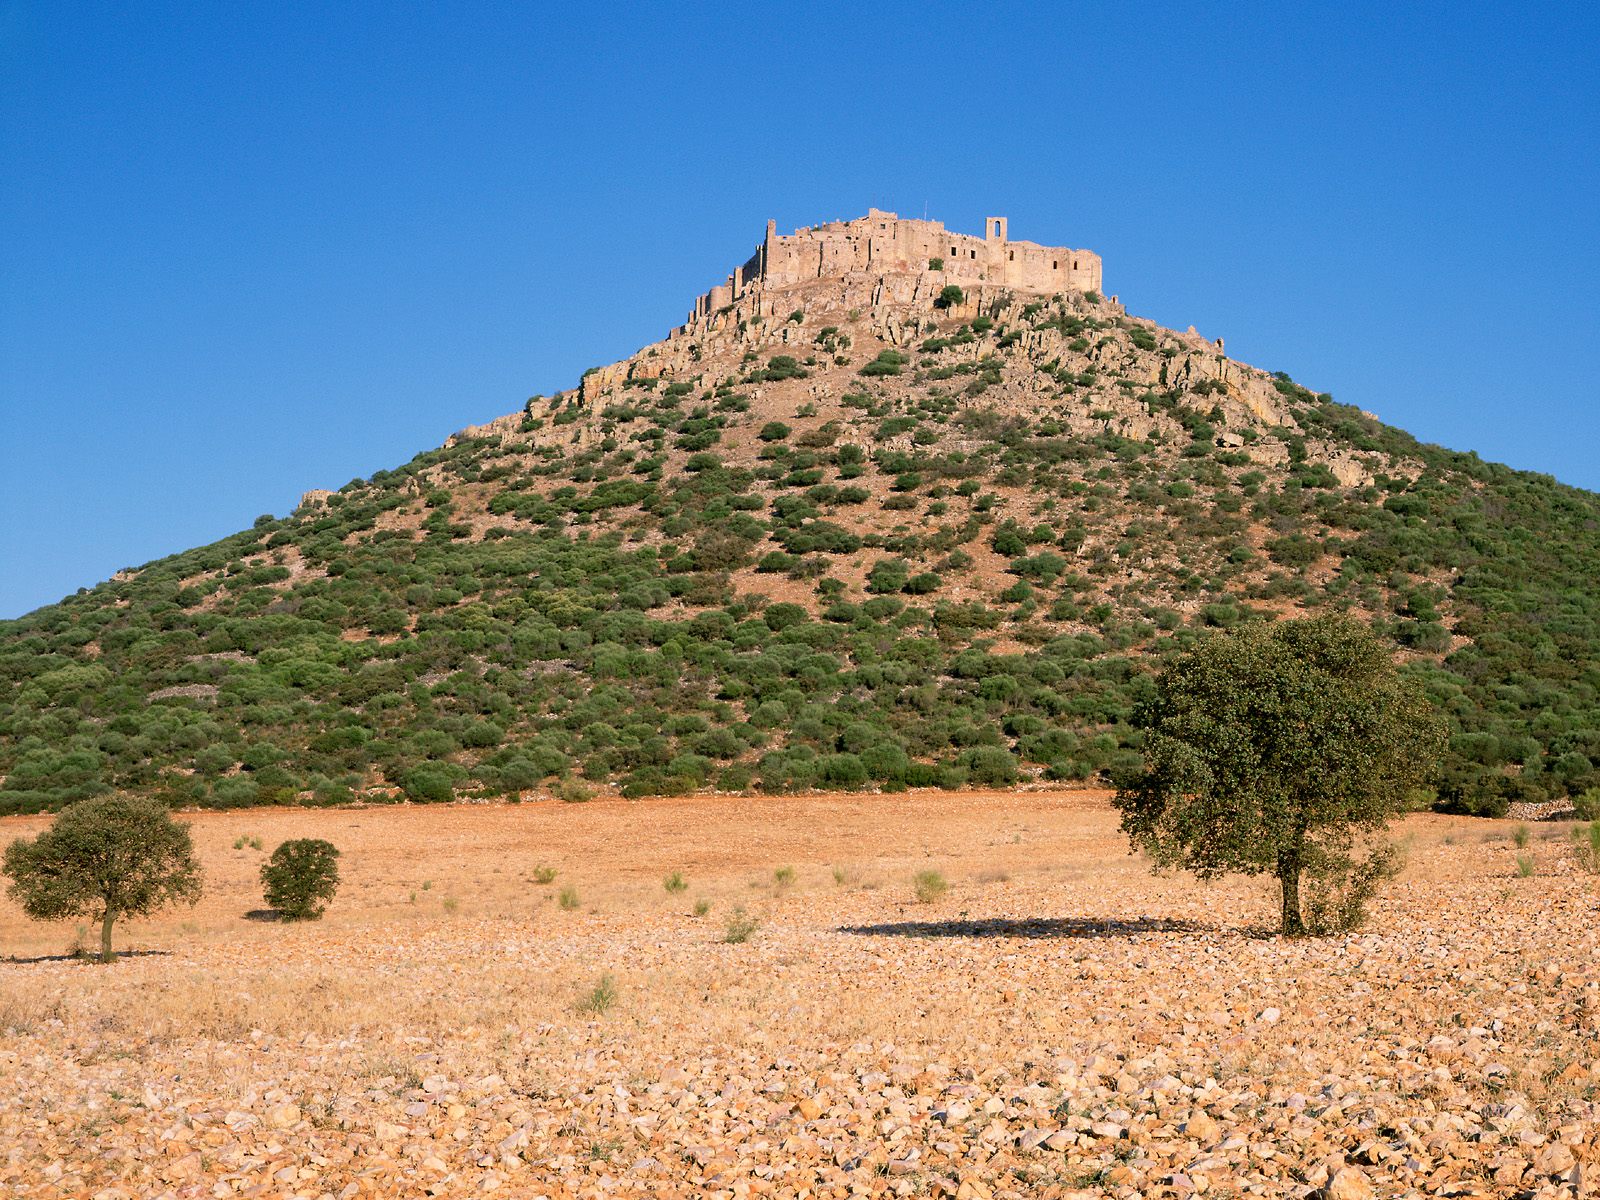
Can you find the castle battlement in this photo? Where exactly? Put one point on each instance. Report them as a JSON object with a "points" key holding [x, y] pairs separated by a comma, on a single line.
{"points": [[882, 242]]}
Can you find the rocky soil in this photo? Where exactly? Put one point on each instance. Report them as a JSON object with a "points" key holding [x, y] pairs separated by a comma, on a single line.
{"points": [[1057, 1023]]}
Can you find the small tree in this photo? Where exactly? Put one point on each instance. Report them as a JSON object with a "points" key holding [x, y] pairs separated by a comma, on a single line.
{"points": [[301, 877], [949, 296], [1271, 749], [107, 858]]}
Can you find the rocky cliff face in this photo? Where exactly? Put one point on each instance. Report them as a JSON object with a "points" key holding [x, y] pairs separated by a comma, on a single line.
{"points": [[1079, 360]]}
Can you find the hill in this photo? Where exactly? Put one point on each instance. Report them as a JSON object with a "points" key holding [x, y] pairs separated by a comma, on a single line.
{"points": [[868, 519]]}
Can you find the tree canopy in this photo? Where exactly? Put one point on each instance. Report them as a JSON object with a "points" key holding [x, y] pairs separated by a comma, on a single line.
{"points": [[108, 857], [1273, 749]]}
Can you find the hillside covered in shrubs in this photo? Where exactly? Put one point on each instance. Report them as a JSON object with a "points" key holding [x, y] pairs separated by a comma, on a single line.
{"points": [[823, 540]]}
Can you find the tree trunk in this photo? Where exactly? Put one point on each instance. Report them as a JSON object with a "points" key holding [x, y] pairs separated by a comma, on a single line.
{"points": [[1289, 878], [105, 937]]}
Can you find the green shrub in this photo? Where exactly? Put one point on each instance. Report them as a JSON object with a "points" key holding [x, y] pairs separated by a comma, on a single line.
{"points": [[599, 999], [990, 766], [841, 771], [301, 878], [237, 791], [888, 362], [780, 367], [779, 617], [428, 785], [928, 886], [1295, 550], [572, 791], [888, 575], [885, 762], [736, 778], [1339, 887], [740, 927]]}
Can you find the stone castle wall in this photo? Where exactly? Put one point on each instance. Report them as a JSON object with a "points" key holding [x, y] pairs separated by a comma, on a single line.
{"points": [[881, 242]]}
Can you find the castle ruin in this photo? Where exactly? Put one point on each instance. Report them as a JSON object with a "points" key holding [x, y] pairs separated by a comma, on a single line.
{"points": [[883, 243]]}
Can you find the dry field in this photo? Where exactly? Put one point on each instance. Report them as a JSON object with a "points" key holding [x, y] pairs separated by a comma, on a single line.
{"points": [[1058, 1022]]}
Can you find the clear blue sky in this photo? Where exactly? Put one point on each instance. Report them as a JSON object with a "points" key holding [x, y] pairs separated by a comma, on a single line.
{"points": [[249, 249]]}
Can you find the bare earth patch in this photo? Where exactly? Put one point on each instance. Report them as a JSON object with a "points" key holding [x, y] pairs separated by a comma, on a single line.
{"points": [[1056, 1023]]}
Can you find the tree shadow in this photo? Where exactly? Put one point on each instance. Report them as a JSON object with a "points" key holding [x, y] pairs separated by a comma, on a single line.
{"points": [[90, 959], [263, 914], [1029, 927]]}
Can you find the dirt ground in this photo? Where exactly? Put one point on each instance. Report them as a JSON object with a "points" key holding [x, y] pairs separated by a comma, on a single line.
{"points": [[1059, 1022]]}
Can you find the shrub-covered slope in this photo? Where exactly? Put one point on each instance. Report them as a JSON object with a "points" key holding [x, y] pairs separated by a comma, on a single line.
{"points": [[847, 535]]}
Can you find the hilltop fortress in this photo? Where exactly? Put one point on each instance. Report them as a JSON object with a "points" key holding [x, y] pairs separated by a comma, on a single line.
{"points": [[879, 280], [883, 243]]}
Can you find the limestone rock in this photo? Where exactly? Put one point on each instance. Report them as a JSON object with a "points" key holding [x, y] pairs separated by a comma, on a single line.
{"points": [[1347, 1183], [1554, 1159]]}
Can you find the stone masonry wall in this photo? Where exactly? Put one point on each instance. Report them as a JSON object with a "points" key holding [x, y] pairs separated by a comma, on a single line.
{"points": [[881, 242]]}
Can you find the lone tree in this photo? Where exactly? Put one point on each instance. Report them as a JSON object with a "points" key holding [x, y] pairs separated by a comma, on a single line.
{"points": [[949, 296], [301, 877], [108, 857], [1271, 749]]}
